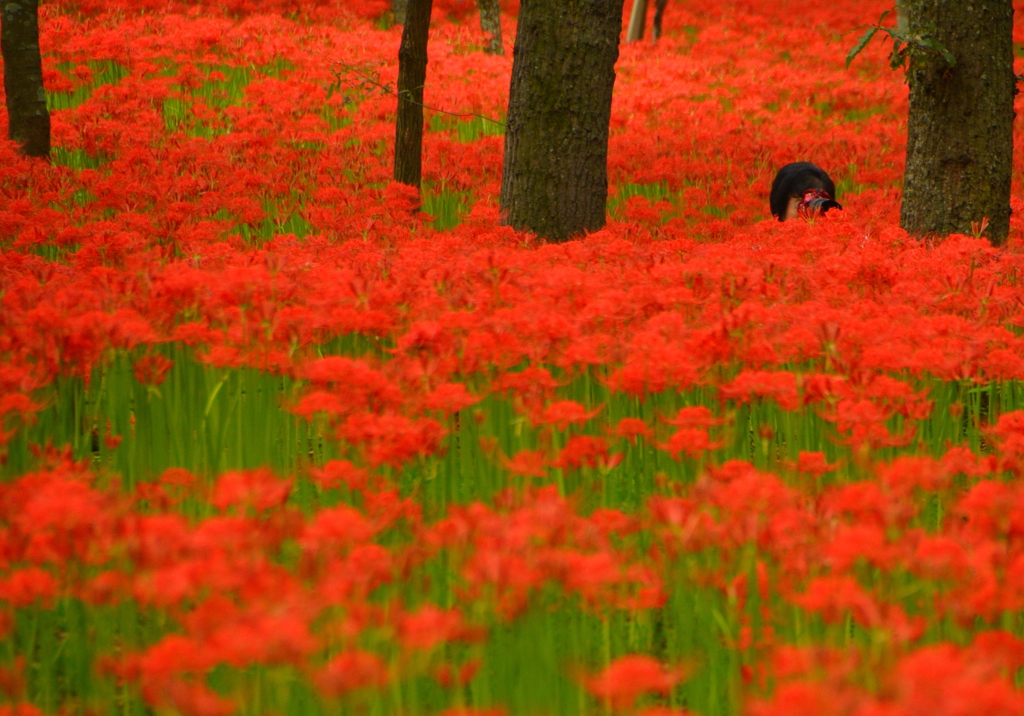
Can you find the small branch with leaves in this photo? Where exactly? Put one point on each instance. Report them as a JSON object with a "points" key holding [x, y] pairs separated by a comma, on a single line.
{"points": [[350, 77], [904, 44]]}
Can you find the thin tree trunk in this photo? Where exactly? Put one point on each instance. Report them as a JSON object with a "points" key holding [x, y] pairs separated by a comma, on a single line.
{"points": [[398, 7], [901, 16], [28, 118], [555, 180], [490, 23], [960, 128], [412, 74], [659, 14], [637, 21]]}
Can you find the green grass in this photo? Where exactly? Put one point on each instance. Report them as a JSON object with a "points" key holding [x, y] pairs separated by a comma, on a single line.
{"points": [[467, 129], [104, 72], [446, 206]]}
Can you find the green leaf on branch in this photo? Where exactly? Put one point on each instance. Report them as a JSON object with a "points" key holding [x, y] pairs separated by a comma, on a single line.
{"points": [[904, 44], [936, 46], [861, 44]]}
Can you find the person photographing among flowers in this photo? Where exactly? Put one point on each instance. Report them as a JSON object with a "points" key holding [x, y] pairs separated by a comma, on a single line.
{"points": [[802, 189]]}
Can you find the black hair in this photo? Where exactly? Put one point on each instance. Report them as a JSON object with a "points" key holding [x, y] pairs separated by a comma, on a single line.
{"points": [[793, 180]]}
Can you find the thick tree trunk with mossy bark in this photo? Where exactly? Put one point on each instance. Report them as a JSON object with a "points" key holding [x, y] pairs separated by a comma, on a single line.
{"points": [[29, 120], [637, 21], [555, 181], [490, 23], [412, 74], [960, 128]]}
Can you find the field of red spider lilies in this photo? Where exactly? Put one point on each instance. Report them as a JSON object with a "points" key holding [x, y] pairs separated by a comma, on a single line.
{"points": [[282, 437]]}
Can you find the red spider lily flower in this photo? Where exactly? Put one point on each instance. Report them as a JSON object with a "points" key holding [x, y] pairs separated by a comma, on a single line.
{"points": [[694, 416], [853, 542], [866, 502], [336, 529], [631, 428], [24, 587], [910, 472], [430, 627], [629, 677], [337, 472], [392, 439], [821, 699], [941, 679], [814, 464], [152, 369], [12, 679], [609, 522], [449, 398], [401, 200], [6, 624], [692, 442], [940, 557], [428, 336], [653, 369], [320, 401], [583, 450], [527, 463], [779, 386], [351, 670], [262, 639], [20, 709], [178, 477], [357, 384], [832, 597], [563, 413], [532, 382], [990, 510], [82, 528], [1009, 435], [15, 403], [353, 579], [961, 460], [169, 657], [258, 489], [191, 699], [589, 574], [106, 588]]}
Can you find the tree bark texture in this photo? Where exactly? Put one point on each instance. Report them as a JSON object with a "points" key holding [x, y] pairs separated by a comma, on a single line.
{"points": [[659, 14], [398, 7], [412, 74], [637, 21], [29, 120], [555, 180], [490, 23], [960, 128]]}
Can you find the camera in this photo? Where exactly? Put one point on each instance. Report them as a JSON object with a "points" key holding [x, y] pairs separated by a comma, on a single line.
{"points": [[816, 202]]}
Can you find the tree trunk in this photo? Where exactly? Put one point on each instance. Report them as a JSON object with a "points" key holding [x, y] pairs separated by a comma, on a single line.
{"points": [[555, 180], [398, 7], [901, 16], [490, 23], [412, 74], [29, 120], [960, 128], [637, 20], [659, 14]]}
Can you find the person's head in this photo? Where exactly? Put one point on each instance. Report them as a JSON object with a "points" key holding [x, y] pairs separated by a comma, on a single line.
{"points": [[801, 188]]}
